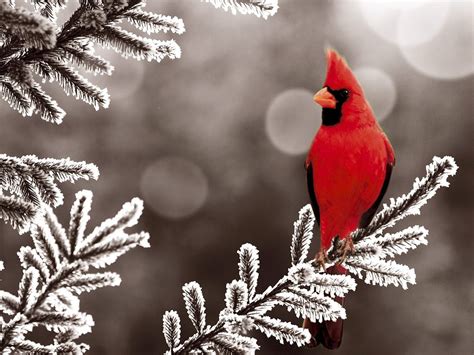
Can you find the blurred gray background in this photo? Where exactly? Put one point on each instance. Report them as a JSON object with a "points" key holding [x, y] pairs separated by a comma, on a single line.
{"points": [[215, 143]]}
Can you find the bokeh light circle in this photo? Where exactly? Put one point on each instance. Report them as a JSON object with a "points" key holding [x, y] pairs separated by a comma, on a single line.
{"points": [[292, 119], [420, 24], [450, 54], [174, 187], [379, 90], [406, 23]]}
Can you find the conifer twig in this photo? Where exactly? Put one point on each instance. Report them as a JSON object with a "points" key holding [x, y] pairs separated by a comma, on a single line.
{"points": [[32, 181], [33, 44], [58, 269], [306, 289]]}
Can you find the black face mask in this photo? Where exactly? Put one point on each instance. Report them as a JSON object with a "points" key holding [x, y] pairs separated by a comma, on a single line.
{"points": [[332, 116]]}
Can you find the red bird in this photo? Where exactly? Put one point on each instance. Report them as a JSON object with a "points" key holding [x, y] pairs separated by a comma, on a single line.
{"points": [[348, 170]]}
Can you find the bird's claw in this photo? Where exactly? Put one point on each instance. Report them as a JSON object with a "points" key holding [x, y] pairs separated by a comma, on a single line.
{"points": [[346, 248], [321, 258]]}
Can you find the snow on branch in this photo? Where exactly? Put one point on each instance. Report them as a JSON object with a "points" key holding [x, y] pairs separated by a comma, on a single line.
{"points": [[32, 181], [437, 173], [259, 8], [33, 44], [306, 289], [58, 268]]}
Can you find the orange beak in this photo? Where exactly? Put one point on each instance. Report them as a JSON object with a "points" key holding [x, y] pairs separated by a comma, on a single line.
{"points": [[325, 98]]}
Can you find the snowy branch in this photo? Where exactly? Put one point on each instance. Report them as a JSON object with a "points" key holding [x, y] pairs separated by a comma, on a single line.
{"points": [[33, 44], [306, 289], [57, 269], [259, 8], [32, 181]]}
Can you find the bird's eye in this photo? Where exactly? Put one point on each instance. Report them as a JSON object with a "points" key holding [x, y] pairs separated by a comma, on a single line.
{"points": [[345, 92]]}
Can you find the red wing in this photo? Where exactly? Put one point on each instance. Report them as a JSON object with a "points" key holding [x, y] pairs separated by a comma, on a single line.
{"points": [[369, 214]]}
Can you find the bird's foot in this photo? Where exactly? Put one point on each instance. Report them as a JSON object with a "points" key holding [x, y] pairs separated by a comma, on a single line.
{"points": [[321, 258], [346, 248]]}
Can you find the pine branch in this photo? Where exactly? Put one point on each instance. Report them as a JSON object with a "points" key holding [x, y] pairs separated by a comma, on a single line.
{"points": [[33, 30], [34, 41], [248, 268], [17, 212], [307, 289], [84, 56], [172, 328], [54, 276], [15, 96], [44, 104], [302, 235], [423, 189], [74, 83], [194, 301], [32, 181], [153, 23], [259, 8], [236, 296]]}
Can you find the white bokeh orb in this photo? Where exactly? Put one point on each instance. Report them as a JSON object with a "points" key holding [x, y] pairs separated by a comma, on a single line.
{"points": [[449, 55], [292, 120], [405, 23], [174, 187], [379, 89], [420, 24]]}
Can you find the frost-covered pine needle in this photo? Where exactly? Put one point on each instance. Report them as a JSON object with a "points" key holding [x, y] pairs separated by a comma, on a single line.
{"points": [[259, 8], [56, 273], [34, 42], [305, 290], [31, 182]]}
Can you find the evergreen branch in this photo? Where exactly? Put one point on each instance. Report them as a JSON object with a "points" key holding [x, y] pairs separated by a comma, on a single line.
{"points": [[9, 304], [40, 46], [249, 264], [259, 8], [172, 328], [86, 58], [15, 97], [74, 83], [44, 104], [302, 235], [307, 289], [381, 272], [33, 30], [17, 212], [33, 41], [30, 347], [63, 169], [194, 300], [233, 343], [423, 189], [126, 43], [31, 181], [236, 296], [152, 23], [54, 277], [390, 245], [281, 331]]}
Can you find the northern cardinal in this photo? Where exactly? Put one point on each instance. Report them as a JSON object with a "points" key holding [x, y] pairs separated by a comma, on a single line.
{"points": [[348, 170]]}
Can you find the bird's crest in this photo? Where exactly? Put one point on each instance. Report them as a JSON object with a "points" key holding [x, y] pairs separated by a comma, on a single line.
{"points": [[339, 75]]}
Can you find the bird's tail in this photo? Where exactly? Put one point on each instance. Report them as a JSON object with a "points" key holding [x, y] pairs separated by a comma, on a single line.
{"points": [[327, 333]]}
